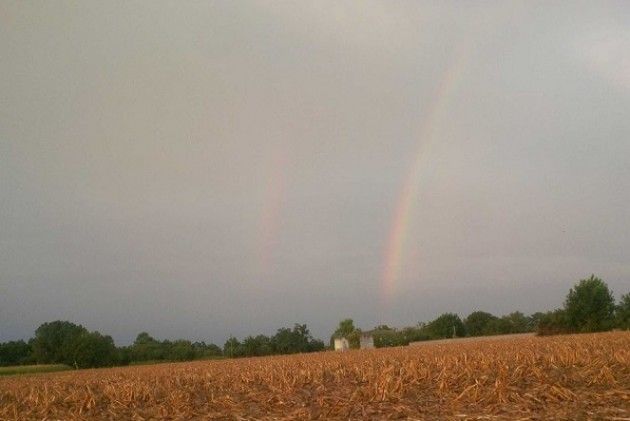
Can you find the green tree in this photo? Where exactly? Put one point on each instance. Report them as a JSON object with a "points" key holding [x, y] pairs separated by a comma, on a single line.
{"points": [[14, 353], [499, 326], [54, 341], [518, 322], [478, 322], [553, 323], [233, 348], [347, 330], [203, 350], [622, 312], [257, 345], [415, 333], [590, 306], [181, 350], [146, 348], [447, 325], [316, 345], [534, 319], [387, 337], [91, 349]]}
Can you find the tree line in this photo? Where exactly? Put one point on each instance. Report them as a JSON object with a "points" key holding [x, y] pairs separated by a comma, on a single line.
{"points": [[63, 342], [589, 307], [285, 341]]}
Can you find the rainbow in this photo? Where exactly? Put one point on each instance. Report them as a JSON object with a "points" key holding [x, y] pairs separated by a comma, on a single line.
{"points": [[407, 197]]}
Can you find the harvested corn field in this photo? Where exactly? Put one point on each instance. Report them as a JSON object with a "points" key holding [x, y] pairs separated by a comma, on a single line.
{"points": [[563, 377]]}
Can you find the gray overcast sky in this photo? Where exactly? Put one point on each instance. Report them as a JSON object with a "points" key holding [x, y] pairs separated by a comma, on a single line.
{"points": [[203, 169]]}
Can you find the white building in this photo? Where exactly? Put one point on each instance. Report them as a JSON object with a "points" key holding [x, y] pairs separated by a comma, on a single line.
{"points": [[341, 344]]}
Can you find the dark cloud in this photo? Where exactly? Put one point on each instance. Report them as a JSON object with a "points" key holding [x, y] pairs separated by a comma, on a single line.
{"points": [[229, 168]]}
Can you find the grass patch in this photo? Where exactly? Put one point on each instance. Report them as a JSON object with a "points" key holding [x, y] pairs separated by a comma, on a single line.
{"points": [[32, 369]]}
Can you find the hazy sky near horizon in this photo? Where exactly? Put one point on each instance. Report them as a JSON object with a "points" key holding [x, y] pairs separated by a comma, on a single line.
{"points": [[200, 169]]}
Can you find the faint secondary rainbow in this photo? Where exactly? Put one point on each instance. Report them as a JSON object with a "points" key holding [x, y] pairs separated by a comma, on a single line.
{"points": [[407, 197]]}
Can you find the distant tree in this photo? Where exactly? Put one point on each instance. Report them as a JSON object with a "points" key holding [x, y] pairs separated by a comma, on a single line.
{"points": [[15, 352], [91, 349], [553, 323], [316, 345], [257, 345], [518, 322], [347, 330], [446, 326], [203, 350], [146, 348], [301, 337], [54, 341], [415, 333], [233, 348], [534, 319], [68, 343], [382, 327], [285, 341], [499, 326], [282, 341], [622, 312], [388, 337], [123, 355], [590, 306], [290, 341], [180, 350], [478, 322]]}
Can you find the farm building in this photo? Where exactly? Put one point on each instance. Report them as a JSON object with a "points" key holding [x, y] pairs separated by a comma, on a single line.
{"points": [[341, 344], [366, 341]]}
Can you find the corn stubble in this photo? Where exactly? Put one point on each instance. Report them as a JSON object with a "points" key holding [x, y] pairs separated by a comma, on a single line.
{"points": [[564, 377]]}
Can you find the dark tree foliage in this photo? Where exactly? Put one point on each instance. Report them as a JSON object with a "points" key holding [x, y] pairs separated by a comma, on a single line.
{"points": [[54, 341], [63, 342], [233, 348], [91, 349], [553, 323], [415, 333], [15, 353], [180, 350], [291, 341], [590, 306], [478, 323], [388, 337], [147, 348], [448, 325], [285, 341], [203, 350], [622, 312], [534, 320]]}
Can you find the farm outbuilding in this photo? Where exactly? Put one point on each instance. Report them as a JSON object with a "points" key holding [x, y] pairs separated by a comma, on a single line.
{"points": [[341, 344], [366, 341]]}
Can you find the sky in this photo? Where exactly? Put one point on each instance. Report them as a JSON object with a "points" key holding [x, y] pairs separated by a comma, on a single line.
{"points": [[204, 169]]}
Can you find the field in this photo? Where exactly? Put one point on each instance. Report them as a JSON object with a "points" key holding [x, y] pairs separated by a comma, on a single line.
{"points": [[30, 369], [563, 377]]}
